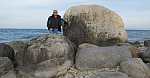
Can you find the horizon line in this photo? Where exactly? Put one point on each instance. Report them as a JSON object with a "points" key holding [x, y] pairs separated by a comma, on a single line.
{"points": [[46, 28]]}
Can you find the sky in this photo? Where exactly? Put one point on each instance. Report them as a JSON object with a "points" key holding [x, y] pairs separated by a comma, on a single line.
{"points": [[33, 14]]}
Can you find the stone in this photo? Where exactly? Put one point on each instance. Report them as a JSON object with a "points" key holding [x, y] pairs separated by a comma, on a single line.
{"points": [[42, 70], [10, 74], [147, 43], [90, 56], [74, 73], [137, 43], [148, 64], [146, 55], [110, 75], [56, 48], [7, 51], [94, 24], [5, 66], [135, 51], [135, 68], [20, 49]]}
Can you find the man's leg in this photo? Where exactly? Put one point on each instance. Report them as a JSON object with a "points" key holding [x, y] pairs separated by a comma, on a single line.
{"points": [[55, 31], [51, 30], [59, 29]]}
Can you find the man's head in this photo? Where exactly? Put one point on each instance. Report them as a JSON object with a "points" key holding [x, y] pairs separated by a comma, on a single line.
{"points": [[55, 12]]}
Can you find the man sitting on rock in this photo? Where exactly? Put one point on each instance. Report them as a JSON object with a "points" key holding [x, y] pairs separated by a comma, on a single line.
{"points": [[55, 22]]}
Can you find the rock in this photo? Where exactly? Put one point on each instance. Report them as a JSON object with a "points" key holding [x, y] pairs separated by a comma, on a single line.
{"points": [[7, 51], [135, 51], [94, 24], [148, 64], [73, 73], [42, 70], [137, 43], [110, 75], [20, 49], [92, 57], [5, 66], [146, 55], [42, 57], [135, 68], [56, 48], [10, 74], [147, 43]]}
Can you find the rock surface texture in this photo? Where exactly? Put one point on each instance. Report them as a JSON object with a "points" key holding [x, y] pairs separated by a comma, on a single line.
{"points": [[49, 47], [94, 24], [91, 56], [135, 68]]}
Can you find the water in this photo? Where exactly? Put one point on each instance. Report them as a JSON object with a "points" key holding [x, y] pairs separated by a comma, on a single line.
{"points": [[138, 35], [7, 35]]}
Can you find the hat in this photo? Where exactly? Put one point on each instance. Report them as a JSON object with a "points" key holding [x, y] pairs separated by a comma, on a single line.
{"points": [[55, 11]]}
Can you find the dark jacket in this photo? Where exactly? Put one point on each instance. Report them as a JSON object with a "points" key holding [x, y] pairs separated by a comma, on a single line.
{"points": [[54, 22]]}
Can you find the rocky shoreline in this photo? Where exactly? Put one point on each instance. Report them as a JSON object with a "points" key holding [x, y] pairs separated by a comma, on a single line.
{"points": [[94, 45]]}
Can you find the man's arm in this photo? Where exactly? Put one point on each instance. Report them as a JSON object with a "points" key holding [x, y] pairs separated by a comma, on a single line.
{"points": [[48, 23], [63, 22]]}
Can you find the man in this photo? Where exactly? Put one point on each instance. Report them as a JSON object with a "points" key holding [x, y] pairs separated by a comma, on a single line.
{"points": [[55, 22]]}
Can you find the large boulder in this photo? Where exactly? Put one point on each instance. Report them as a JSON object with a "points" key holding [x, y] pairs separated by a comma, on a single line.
{"points": [[56, 48], [94, 24], [135, 68], [90, 56]]}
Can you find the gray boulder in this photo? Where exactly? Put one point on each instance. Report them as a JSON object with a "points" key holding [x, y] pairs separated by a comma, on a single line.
{"points": [[135, 68], [94, 24], [20, 49], [91, 56], [56, 48]]}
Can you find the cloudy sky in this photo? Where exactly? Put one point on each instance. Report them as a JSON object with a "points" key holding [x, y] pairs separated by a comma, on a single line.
{"points": [[33, 13]]}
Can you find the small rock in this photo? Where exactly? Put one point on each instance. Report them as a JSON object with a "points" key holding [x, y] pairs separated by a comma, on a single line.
{"points": [[146, 55], [147, 43], [135, 68], [5, 66]]}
